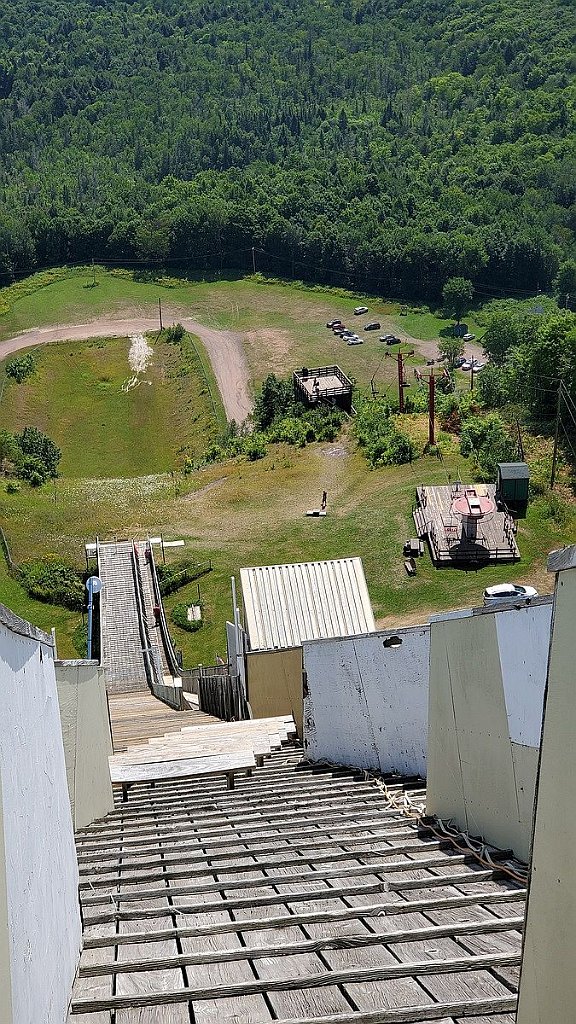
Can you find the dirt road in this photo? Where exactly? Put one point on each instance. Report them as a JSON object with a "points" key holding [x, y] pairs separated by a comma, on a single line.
{"points": [[223, 347]]}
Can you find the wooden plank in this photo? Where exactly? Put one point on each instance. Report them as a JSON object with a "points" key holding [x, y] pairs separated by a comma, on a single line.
{"points": [[265, 862], [340, 872], [150, 984], [153, 755], [349, 891], [249, 1008], [412, 969], [186, 848], [196, 853], [383, 913], [171, 769], [351, 934], [98, 985], [325, 999]]}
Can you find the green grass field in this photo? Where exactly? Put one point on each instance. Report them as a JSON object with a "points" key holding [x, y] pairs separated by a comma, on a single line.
{"points": [[235, 513], [76, 396]]}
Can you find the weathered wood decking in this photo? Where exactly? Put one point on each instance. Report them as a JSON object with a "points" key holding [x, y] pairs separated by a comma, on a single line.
{"points": [[495, 539], [301, 896], [136, 716]]}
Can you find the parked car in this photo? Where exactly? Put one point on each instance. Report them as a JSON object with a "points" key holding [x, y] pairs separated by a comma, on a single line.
{"points": [[334, 323], [360, 309], [392, 340], [374, 326], [468, 337], [355, 340], [478, 366], [339, 331], [509, 592], [466, 365], [459, 363]]}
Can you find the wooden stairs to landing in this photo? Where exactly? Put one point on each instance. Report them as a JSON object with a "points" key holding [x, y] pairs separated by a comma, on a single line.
{"points": [[225, 747], [302, 896]]}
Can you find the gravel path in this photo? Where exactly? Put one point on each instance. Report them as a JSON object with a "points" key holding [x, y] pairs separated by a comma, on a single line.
{"points": [[223, 347]]}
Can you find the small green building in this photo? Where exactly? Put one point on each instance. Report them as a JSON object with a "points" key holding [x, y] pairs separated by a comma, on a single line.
{"points": [[512, 484]]}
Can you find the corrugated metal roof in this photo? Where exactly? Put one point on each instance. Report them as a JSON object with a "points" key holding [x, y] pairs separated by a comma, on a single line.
{"points": [[286, 604]]}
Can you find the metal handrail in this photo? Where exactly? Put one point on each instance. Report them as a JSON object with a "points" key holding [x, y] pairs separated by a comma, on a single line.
{"points": [[166, 638], [151, 668]]}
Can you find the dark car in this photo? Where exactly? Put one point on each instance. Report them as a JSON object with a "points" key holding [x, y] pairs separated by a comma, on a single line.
{"points": [[374, 326], [334, 323], [390, 339]]}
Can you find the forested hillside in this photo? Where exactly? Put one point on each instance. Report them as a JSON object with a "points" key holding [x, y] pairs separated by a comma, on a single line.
{"points": [[388, 144]]}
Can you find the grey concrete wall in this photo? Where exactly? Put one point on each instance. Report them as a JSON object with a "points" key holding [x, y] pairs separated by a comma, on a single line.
{"points": [[487, 678], [548, 979], [39, 909], [367, 702], [87, 739]]}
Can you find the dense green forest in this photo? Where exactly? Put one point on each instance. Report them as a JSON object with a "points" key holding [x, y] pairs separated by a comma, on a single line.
{"points": [[385, 144]]}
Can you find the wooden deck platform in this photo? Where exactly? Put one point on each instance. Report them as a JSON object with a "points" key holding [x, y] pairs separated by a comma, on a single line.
{"points": [[299, 896], [136, 716], [495, 539]]}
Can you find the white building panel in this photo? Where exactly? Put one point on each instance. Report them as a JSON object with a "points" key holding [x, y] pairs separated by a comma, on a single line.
{"points": [[367, 702], [38, 857], [524, 641]]}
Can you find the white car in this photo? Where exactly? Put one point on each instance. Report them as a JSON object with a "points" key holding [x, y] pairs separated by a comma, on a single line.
{"points": [[466, 366], [360, 309], [468, 337], [355, 341], [509, 592]]}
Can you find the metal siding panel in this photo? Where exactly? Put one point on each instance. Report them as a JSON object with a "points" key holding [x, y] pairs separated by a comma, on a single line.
{"points": [[286, 604]]}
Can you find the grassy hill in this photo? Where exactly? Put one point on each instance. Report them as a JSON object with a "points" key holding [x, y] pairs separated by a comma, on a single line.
{"points": [[235, 513]]}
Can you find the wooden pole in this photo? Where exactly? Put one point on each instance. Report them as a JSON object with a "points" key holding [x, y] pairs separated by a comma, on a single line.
{"points": [[160, 312], [431, 394], [253, 260], [556, 433], [400, 383]]}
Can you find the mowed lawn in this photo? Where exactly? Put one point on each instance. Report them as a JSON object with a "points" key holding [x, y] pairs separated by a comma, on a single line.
{"points": [[76, 396]]}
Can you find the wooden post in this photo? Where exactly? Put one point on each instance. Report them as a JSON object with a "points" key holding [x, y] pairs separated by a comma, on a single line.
{"points": [[400, 383], [431, 393], [556, 432]]}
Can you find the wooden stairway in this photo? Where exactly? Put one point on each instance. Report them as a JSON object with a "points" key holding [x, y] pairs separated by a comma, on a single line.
{"points": [[302, 896]]}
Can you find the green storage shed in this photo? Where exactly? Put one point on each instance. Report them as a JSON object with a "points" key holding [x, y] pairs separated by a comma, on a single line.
{"points": [[512, 483]]}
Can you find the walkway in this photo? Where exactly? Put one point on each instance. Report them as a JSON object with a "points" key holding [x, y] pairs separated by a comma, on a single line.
{"points": [[301, 896], [137, 717]]}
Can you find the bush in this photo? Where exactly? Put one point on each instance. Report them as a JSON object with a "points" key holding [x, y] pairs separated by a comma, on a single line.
{"points": [[53, 580], [487, 438], [376, 432], [20, 369], [12, 487], [180, 618], [177, 574]]}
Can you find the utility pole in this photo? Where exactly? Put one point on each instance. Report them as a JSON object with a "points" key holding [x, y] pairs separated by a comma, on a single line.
{"points": [[160, 312], [472, 376], [94, 275], [253, 260], [556, 434], [400, 383], [431, 395]]}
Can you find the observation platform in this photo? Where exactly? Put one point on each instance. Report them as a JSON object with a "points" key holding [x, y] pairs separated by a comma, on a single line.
{"points": [[463, 525]]}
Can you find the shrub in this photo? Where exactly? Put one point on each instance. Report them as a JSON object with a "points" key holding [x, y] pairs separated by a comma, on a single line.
{"points": [[20, 369], [180, 618], [12, 487], [177, 574], [53, 580], [376, 432]]}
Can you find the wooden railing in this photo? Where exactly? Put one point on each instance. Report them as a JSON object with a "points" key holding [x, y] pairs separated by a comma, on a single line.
{"points": [[223, 696]]}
